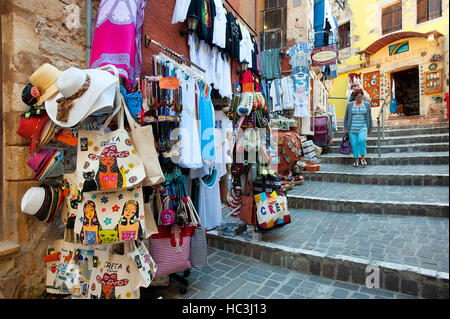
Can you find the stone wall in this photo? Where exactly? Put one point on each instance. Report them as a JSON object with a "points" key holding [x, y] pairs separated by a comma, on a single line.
{"points": [[33, 32]]}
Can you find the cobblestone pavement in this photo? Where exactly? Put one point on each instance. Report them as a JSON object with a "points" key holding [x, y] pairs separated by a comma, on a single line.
{"points": [[408, 240], [371, 193], [231, 276]]}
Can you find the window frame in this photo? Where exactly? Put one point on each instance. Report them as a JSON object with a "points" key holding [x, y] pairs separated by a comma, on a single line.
{"points": [[394, 10], [347, 31], [282, 29], [426, 16]]}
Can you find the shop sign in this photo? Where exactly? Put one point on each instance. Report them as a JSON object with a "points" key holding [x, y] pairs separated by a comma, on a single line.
{"points": [[324, 55]]}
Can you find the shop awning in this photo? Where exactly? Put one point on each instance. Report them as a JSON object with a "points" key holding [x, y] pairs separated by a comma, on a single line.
{"points": [[384, 41]]}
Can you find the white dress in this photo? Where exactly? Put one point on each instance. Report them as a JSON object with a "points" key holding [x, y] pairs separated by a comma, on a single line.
{"points": [[180, 11], [220, 25], [190, 140]]}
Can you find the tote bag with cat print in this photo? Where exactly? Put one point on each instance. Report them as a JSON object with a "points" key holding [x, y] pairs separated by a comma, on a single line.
{"points": [[111, 217], [108, 160]]}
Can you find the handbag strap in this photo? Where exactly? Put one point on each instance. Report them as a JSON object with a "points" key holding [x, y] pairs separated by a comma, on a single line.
{"points": [[119, 107]]}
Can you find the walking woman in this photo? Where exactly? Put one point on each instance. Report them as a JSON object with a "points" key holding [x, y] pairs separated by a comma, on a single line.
{"points": [[358, 123]]}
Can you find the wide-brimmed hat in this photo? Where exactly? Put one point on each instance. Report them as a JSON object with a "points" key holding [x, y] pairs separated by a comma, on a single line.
{"points": [[109, 151], [30, 129], [81, 93], [44, 78]]}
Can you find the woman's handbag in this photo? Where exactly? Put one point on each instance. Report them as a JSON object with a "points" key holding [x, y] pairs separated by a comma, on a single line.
{"points": [[271, 209], [247, 211], [345, 147], [144, 143], [111, 217], [199, 244], [108, 160], [171, 249]]}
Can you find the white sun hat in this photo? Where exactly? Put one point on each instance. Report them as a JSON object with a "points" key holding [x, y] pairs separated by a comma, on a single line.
{"points": [[81, 93], [33, 200]]}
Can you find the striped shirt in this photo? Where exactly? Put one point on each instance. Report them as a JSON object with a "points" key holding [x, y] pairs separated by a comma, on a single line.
{"points": [[359, 121]]}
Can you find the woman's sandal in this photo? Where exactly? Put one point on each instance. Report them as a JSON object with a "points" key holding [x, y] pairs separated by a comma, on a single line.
{"points": [[364, 163], [355, 164]]}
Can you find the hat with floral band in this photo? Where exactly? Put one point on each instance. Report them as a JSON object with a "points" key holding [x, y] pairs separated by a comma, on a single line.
{"points": [[81, 93], [44, 79]]}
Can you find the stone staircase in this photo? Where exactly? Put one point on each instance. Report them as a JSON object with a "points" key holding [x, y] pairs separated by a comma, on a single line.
{"points": [[393, 215]]}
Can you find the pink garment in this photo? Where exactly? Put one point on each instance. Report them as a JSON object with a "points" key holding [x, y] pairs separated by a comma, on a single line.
{"points": [[118, 53], [117, 38]]}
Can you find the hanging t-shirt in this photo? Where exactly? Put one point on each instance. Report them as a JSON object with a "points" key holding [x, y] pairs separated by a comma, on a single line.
{"points": [[180, 11], [276, 93], [234, 36], [220, 25], [203, 10], [255, 53], [227, 89], [245, 46], [301, 94], [271, 64], [287, 86]]}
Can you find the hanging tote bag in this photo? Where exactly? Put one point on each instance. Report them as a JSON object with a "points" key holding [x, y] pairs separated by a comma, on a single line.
{"points": [[345, 147], [144, 262], [247, 210], [144, 143], [171, 249], [111, 217], [199, 244], [114, 276], [68, 269], [108, 160]]}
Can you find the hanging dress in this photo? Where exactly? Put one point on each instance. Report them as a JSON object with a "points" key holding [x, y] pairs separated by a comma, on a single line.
{"points": [[120, 20], [190, 141]]}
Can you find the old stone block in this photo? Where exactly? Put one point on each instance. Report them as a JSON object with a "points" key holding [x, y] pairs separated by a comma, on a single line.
{"points": [[328, 270], [409, 287], [430, 291], [343, 272], [314, 267], [358, 274], [16, 167], [391, 282]]}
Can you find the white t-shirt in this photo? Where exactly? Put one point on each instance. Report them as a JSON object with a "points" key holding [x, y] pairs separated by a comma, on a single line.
{"points": [[180, 11], [220, 25], [246, 46]]}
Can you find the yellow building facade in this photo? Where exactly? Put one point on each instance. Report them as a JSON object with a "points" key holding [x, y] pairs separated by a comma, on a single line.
{"points": [[413, 58]]}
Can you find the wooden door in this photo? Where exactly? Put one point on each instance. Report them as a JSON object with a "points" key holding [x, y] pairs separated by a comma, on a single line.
{"points": [[371, 85]]}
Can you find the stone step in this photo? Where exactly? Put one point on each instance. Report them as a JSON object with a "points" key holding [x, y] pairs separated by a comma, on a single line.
{"points": [[410, 252], [416, 158], [432, 201], [391, 125], [398, 140], [236, 276], [401, 148], [400, 132], [407, 175]]}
